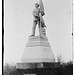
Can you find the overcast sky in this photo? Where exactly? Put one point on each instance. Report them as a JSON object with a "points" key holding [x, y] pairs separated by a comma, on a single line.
{"points": [[18, 27]]}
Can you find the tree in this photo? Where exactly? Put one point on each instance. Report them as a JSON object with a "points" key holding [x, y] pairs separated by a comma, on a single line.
{"points": [[8, 68]]}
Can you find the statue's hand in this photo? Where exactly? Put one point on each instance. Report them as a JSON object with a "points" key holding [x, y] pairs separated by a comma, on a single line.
{"points": [[42, 12]]}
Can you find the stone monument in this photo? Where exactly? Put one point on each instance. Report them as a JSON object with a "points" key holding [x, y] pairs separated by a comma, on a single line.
{"points": [[38, 52]]}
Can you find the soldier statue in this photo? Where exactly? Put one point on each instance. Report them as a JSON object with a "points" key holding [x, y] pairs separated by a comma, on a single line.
{"points": [[38, 13]]}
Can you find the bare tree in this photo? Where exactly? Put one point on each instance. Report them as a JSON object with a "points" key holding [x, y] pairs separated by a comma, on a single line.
{"points": [[59, 59]]}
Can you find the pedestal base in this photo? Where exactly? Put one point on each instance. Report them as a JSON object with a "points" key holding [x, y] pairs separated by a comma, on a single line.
{"points": [[37, 57], [50, 69]]}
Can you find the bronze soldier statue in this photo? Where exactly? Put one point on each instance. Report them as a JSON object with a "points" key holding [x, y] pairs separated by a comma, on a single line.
{"points": [[37, 19]]}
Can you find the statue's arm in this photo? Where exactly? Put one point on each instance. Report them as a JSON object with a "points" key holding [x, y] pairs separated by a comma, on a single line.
{"points": [[33, 13], [42, 12]]}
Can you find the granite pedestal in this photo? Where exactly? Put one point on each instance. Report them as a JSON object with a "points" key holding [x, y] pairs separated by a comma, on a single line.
{"points": [[37, 54]]}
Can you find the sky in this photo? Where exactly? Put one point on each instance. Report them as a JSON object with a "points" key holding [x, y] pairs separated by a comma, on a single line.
{"points": [[18, 22]]}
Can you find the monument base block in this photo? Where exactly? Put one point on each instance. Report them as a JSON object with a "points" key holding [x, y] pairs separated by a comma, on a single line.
{"points": [[35, 65]]}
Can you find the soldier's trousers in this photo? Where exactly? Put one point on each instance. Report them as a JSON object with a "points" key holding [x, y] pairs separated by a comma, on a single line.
{"points": [[34, 27]]}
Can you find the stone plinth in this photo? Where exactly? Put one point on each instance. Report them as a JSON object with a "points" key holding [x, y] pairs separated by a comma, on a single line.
{"points": [[37, 52]]}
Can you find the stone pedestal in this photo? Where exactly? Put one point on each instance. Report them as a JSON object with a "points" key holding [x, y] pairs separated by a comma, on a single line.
{"points": [[37, 53]]}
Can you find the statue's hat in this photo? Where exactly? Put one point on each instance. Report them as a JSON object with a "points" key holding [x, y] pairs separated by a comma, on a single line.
{"points": [[37, 4]]}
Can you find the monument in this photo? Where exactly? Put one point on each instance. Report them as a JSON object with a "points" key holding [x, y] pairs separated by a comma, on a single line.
{"points": [[38, 53]]}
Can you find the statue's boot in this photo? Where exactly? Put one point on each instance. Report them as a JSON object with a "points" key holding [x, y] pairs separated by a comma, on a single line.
{"points": [[33, 32]]}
